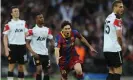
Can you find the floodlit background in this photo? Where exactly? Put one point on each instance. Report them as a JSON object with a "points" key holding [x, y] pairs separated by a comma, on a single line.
{"points": [[87, 16]]}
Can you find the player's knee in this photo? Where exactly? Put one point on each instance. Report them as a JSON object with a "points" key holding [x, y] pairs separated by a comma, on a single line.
{"points": [[111, 70], [21, 75], [118, 70], [11, 67], [21, 68], [78, 69]]}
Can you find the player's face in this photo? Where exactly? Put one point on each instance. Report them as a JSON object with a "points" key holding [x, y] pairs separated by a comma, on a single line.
{"points": [[67, 31], [40, 19], [120, 8], [15, 13]]}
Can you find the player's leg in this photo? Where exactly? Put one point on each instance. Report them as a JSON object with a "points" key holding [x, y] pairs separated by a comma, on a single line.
{"points": [[118, 66], [38, 72], [20, 71], [10, 71], [117, 73], [21, 51], [64, 72], [11, 62], [110, 74], [78, 69], [38, 64], [45, 66], [108, 57]]}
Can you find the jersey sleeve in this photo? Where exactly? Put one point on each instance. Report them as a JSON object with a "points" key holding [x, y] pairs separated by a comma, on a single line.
{"points": [[6, 29], [50, 36], [57, 42], [29, 34], [118, 24], [77, 34]]}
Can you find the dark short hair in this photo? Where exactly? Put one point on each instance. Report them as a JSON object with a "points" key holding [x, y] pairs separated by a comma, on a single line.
{"points": [[64, 23], [115, 3], [36, 14], [12, 7]]}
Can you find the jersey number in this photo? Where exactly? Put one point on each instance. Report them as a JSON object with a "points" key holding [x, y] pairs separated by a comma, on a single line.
{"points": [[107, 28]]}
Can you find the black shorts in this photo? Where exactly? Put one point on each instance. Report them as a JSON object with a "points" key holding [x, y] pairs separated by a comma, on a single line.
{"points": [[17, 54], [113, 59], [42, 60]]}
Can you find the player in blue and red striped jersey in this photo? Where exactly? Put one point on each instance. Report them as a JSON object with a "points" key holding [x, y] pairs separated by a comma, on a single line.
{"points": [[66, 55]]}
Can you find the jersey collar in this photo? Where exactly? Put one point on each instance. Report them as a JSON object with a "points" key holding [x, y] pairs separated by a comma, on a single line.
{"points": [[14, 20], [38, 26], [63, 35]]}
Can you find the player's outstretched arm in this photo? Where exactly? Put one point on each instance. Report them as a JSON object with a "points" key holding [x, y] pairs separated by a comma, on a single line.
{"points": [[5, 41], [30, 49], [87, 44]]}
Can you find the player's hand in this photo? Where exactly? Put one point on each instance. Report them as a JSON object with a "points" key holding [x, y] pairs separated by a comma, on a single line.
{"points": [[93, 50], [35, 55], [57, 60], [7, 52]]}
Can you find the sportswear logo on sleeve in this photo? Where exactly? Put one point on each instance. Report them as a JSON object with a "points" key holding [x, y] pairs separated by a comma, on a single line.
{"points": [[118, 23], [6, 27], [30, 32]]}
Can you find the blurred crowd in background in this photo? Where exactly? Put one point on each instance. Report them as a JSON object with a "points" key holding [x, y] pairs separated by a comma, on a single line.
{"points": [[87, 16]]}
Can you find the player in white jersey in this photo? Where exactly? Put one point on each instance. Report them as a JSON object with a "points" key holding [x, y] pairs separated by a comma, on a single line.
{"points": [[14, 43], [36, 43], [113, 41]]}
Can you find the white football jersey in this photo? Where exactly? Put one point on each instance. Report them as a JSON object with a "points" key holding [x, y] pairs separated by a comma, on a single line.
{"points": [[38, 37], [112, 23], [16, 31]]}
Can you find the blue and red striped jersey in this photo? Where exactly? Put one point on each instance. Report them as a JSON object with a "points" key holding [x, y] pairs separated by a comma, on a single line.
{"points": [[66, 45]]}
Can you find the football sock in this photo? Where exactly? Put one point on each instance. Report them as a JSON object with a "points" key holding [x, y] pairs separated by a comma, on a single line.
{"points": [[10, 75], [110, 76], [116, 77], [46, 77], [38, 77], [79, 76]]}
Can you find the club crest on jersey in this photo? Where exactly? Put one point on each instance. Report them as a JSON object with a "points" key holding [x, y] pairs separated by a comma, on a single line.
{"points": [[18, 30], [40, 38]]}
